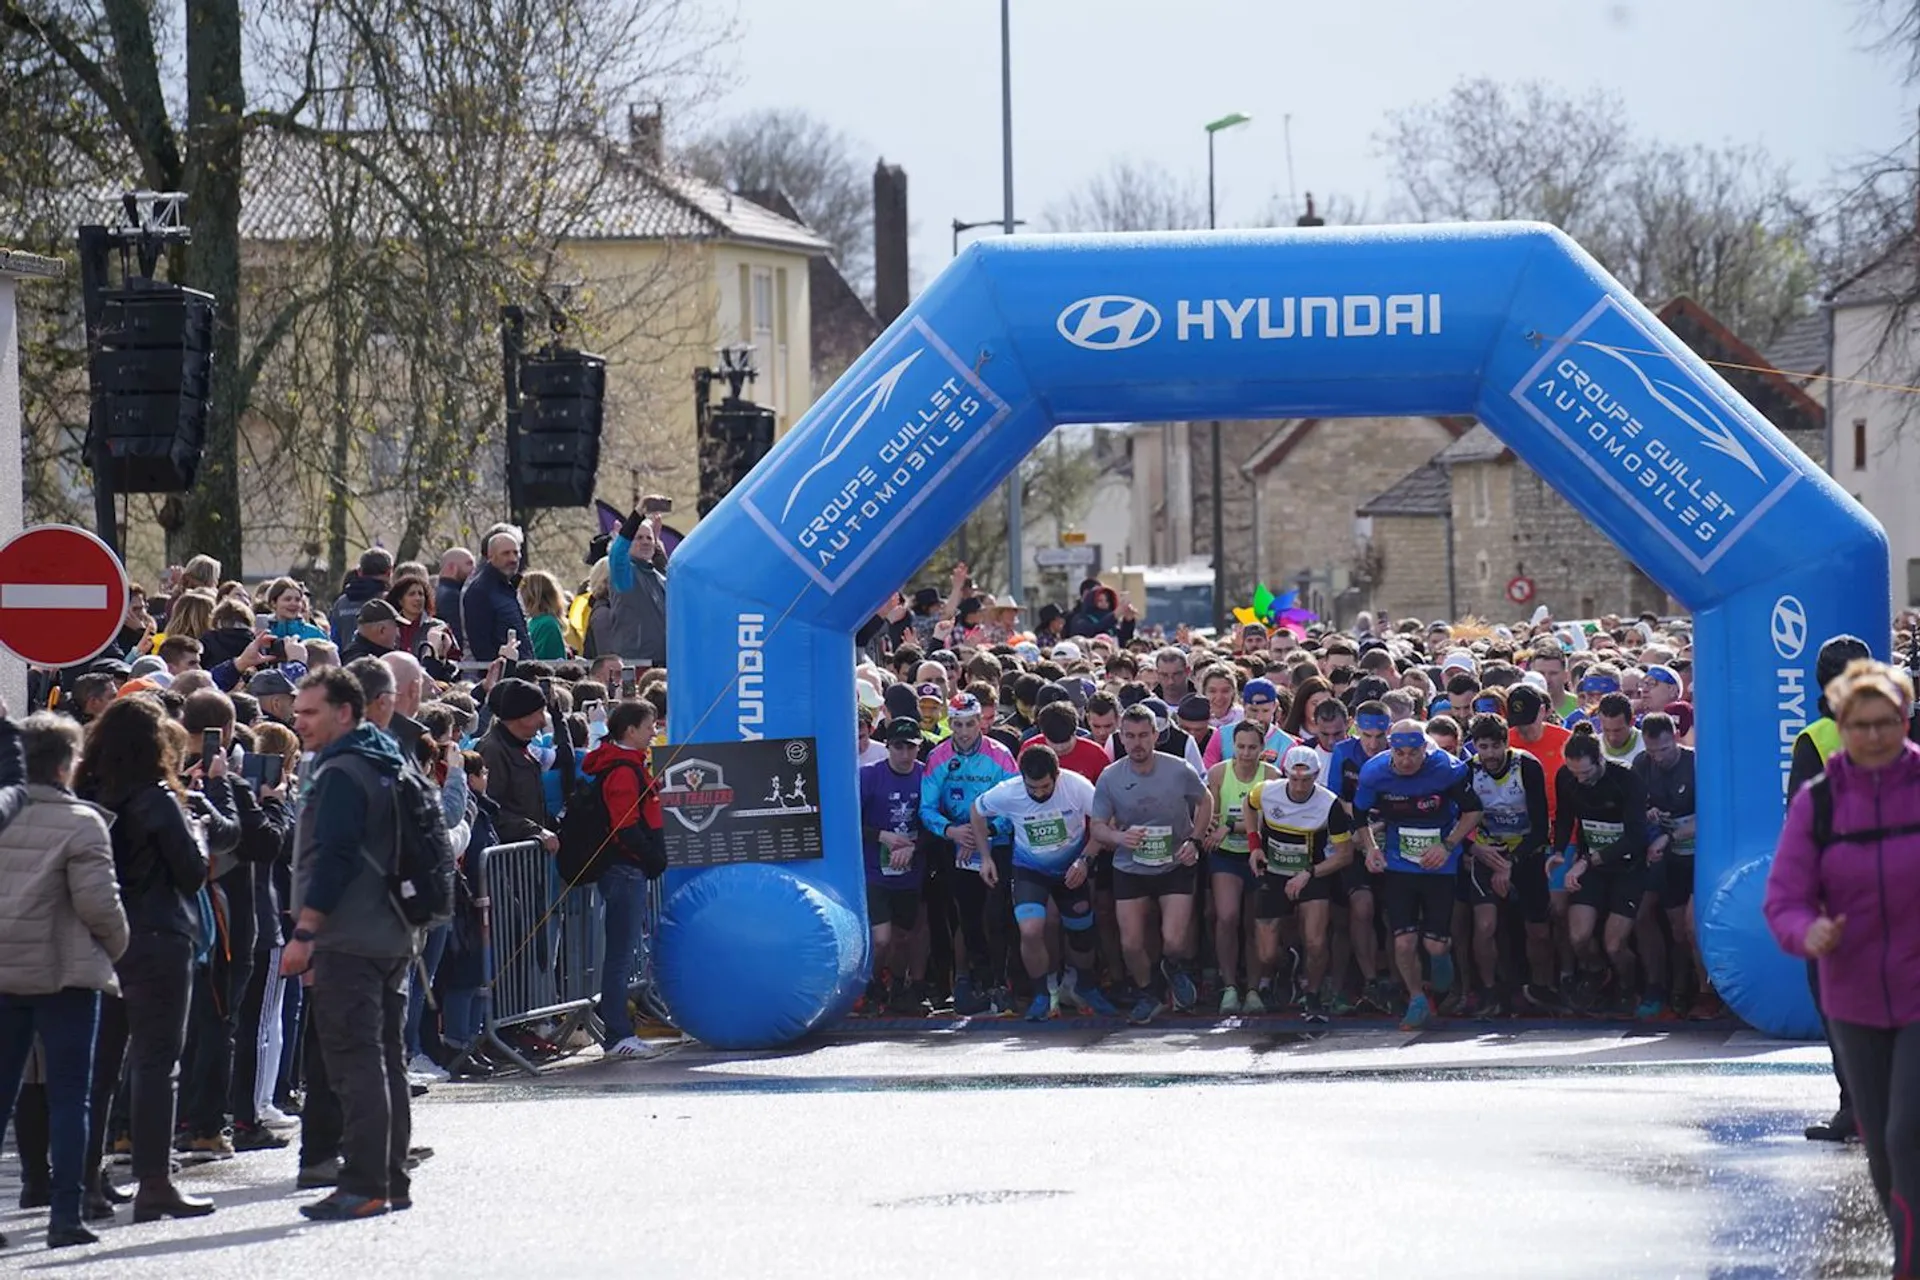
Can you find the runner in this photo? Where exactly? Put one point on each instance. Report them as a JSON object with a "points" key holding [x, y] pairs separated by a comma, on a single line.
{"points": [[1599, 827], [1047, 809], [1356, 893], [1666, 770], [1509, 861], [890, 825], [1421, 797], [1146, 809], [959, 770], [1618, 736], [1260, 700], [1301, 842], [1226, 844], [1550, 661], [1547, 743]]}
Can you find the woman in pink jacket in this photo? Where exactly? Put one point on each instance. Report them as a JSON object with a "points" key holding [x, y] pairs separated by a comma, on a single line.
{"points": [[1843, 892]]}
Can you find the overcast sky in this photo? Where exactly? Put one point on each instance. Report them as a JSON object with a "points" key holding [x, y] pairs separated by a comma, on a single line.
{"points": [[918, 82]]}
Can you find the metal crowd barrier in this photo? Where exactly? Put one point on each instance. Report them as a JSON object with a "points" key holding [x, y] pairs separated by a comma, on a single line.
{"points": [[546, 948]]}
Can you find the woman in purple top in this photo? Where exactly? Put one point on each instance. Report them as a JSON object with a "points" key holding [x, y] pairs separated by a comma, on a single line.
{"points": [[1842, 892]]}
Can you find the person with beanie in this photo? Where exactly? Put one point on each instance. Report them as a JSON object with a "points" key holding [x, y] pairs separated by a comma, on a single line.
{"points": [[513, 774]]}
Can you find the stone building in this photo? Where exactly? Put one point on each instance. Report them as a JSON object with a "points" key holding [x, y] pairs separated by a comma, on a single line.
{"points": [[1501, 524]]}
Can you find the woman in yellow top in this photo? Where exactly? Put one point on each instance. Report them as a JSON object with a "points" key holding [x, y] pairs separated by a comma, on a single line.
{"points": [[1229, 783]]}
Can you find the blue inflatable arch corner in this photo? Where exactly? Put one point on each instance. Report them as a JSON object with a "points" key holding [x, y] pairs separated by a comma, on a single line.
{"points": [[1512, 323]]}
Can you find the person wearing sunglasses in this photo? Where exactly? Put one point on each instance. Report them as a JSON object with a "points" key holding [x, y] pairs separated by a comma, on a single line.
{"points": [[1841, 892]]}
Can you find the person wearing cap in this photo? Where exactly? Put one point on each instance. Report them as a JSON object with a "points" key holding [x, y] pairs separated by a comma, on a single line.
{"points": [[274, 692], [960, 769], [1507, 863], [1053, 623], [1002, 620], [1818, 743], [378, 632], [1666, 769], [1049, 812], [1066, 652], [1229, 872], [868, 749], [1840, 893], [890, 792], [369, 581], [1599, 830], [1193, 714], [1300, 842], [1420, 797], [931, 704], [1059, 728], [1152, 813]]}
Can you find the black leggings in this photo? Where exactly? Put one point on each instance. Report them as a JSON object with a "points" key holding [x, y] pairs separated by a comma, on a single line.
{"points": [[1883, 1074], [986, 917], [1813, 984]]}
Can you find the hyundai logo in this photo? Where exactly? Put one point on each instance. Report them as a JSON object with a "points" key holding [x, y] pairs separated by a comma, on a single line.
{"points": [[1789, 628], [1110, 322]]}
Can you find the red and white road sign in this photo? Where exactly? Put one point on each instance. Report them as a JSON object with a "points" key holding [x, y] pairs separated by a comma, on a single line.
{"points": [[63, 595]]}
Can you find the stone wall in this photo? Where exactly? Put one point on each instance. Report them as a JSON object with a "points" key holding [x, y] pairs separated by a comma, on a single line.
{"points": [[1307, 501], [1577, 572], [1412, 552]]}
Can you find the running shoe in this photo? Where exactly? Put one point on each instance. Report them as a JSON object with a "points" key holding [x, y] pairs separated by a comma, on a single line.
{"points": [[1419, 1013], [1545, 1000], [1145, 1010], [343, 1206], [1230, 1002], [1335, 1001], [1253, 1006], [968, 998], [1090, 1000], [1180, 985], [1708, 1008], [1650, 1008], [1042, 1007], [633, 1047], [1473, 1005], [1316, 1007]]}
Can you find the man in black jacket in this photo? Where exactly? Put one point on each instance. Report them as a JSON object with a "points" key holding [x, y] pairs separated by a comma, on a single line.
{"points": [[513, 774], [490, 602], [371, 581]]}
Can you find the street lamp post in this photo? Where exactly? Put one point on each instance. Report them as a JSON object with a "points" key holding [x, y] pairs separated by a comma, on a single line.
{"points": [[1008, 223], [958, 227], [1219, 514]]}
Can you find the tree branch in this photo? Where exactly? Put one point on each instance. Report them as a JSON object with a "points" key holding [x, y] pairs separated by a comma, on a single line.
{"points": [[61, 43], [138, 64]]}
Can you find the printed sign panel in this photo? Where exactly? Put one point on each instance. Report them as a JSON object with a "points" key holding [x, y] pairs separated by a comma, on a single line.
{"points": [[886, 441], [724, 802], [1665, 444]]}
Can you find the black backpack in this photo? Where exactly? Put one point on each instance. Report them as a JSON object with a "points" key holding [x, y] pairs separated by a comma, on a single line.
{"points": [[1820, 792], [421, 878], [587, 835]]}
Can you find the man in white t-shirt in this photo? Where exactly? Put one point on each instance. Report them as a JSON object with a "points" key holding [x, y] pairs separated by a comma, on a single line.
{"points": [[1047, 809]]}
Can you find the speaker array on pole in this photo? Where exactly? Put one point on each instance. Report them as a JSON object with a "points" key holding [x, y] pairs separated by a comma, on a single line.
{"points": [[150, 372], [562, 398]]}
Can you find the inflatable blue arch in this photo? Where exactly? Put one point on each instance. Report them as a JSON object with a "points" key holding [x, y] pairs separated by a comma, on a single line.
{"points": [[1512, 323]]}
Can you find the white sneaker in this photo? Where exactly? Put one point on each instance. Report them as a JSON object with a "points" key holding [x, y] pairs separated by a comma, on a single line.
{"points": [[424, 1068], [274, 1118], [633, 1047]]}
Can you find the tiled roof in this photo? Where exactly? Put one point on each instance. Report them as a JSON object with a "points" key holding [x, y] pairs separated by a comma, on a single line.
{"points": [[1889, 277], [1477, 445], [1425, 492], [585, 189], [1802, 349]]}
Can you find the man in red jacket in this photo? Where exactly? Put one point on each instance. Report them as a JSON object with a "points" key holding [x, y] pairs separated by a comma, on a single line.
{"points": [[633, 804]]}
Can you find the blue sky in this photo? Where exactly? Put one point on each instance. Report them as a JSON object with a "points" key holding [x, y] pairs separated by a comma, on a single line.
{"points": [[918, 82]]}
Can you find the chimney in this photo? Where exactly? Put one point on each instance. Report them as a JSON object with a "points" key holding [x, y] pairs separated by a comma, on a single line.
{"points": [[1310, 218], [890, 284], [646, 135]]}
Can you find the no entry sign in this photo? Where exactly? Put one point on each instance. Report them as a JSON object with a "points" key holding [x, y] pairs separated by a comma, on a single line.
{"points": [[63, 595]]}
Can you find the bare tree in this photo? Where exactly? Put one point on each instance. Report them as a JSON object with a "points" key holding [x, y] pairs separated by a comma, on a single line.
{"points": [[816, 166], [1725, 226], [1131, 195]]}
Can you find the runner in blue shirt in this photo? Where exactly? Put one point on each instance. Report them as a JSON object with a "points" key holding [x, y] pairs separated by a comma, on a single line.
{"points": [[1420, 794]]}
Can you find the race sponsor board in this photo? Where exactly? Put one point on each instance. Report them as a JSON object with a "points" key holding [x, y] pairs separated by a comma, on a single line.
{"points": [[728, 802]]}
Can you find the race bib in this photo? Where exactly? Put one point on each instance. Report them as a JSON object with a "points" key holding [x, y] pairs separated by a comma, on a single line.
{"points": [[887, 868], [1602, 836], [1157, 849], [966, 861], [1288, 853], [1046, 833], [1415, 841]]}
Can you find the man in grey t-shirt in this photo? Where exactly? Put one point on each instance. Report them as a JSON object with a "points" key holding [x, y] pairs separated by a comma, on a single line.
{"points": [[1150, 808]]}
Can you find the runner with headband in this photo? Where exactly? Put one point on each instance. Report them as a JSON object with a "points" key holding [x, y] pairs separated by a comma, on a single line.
{"points": [[1356, 893], [1421, 796]]}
